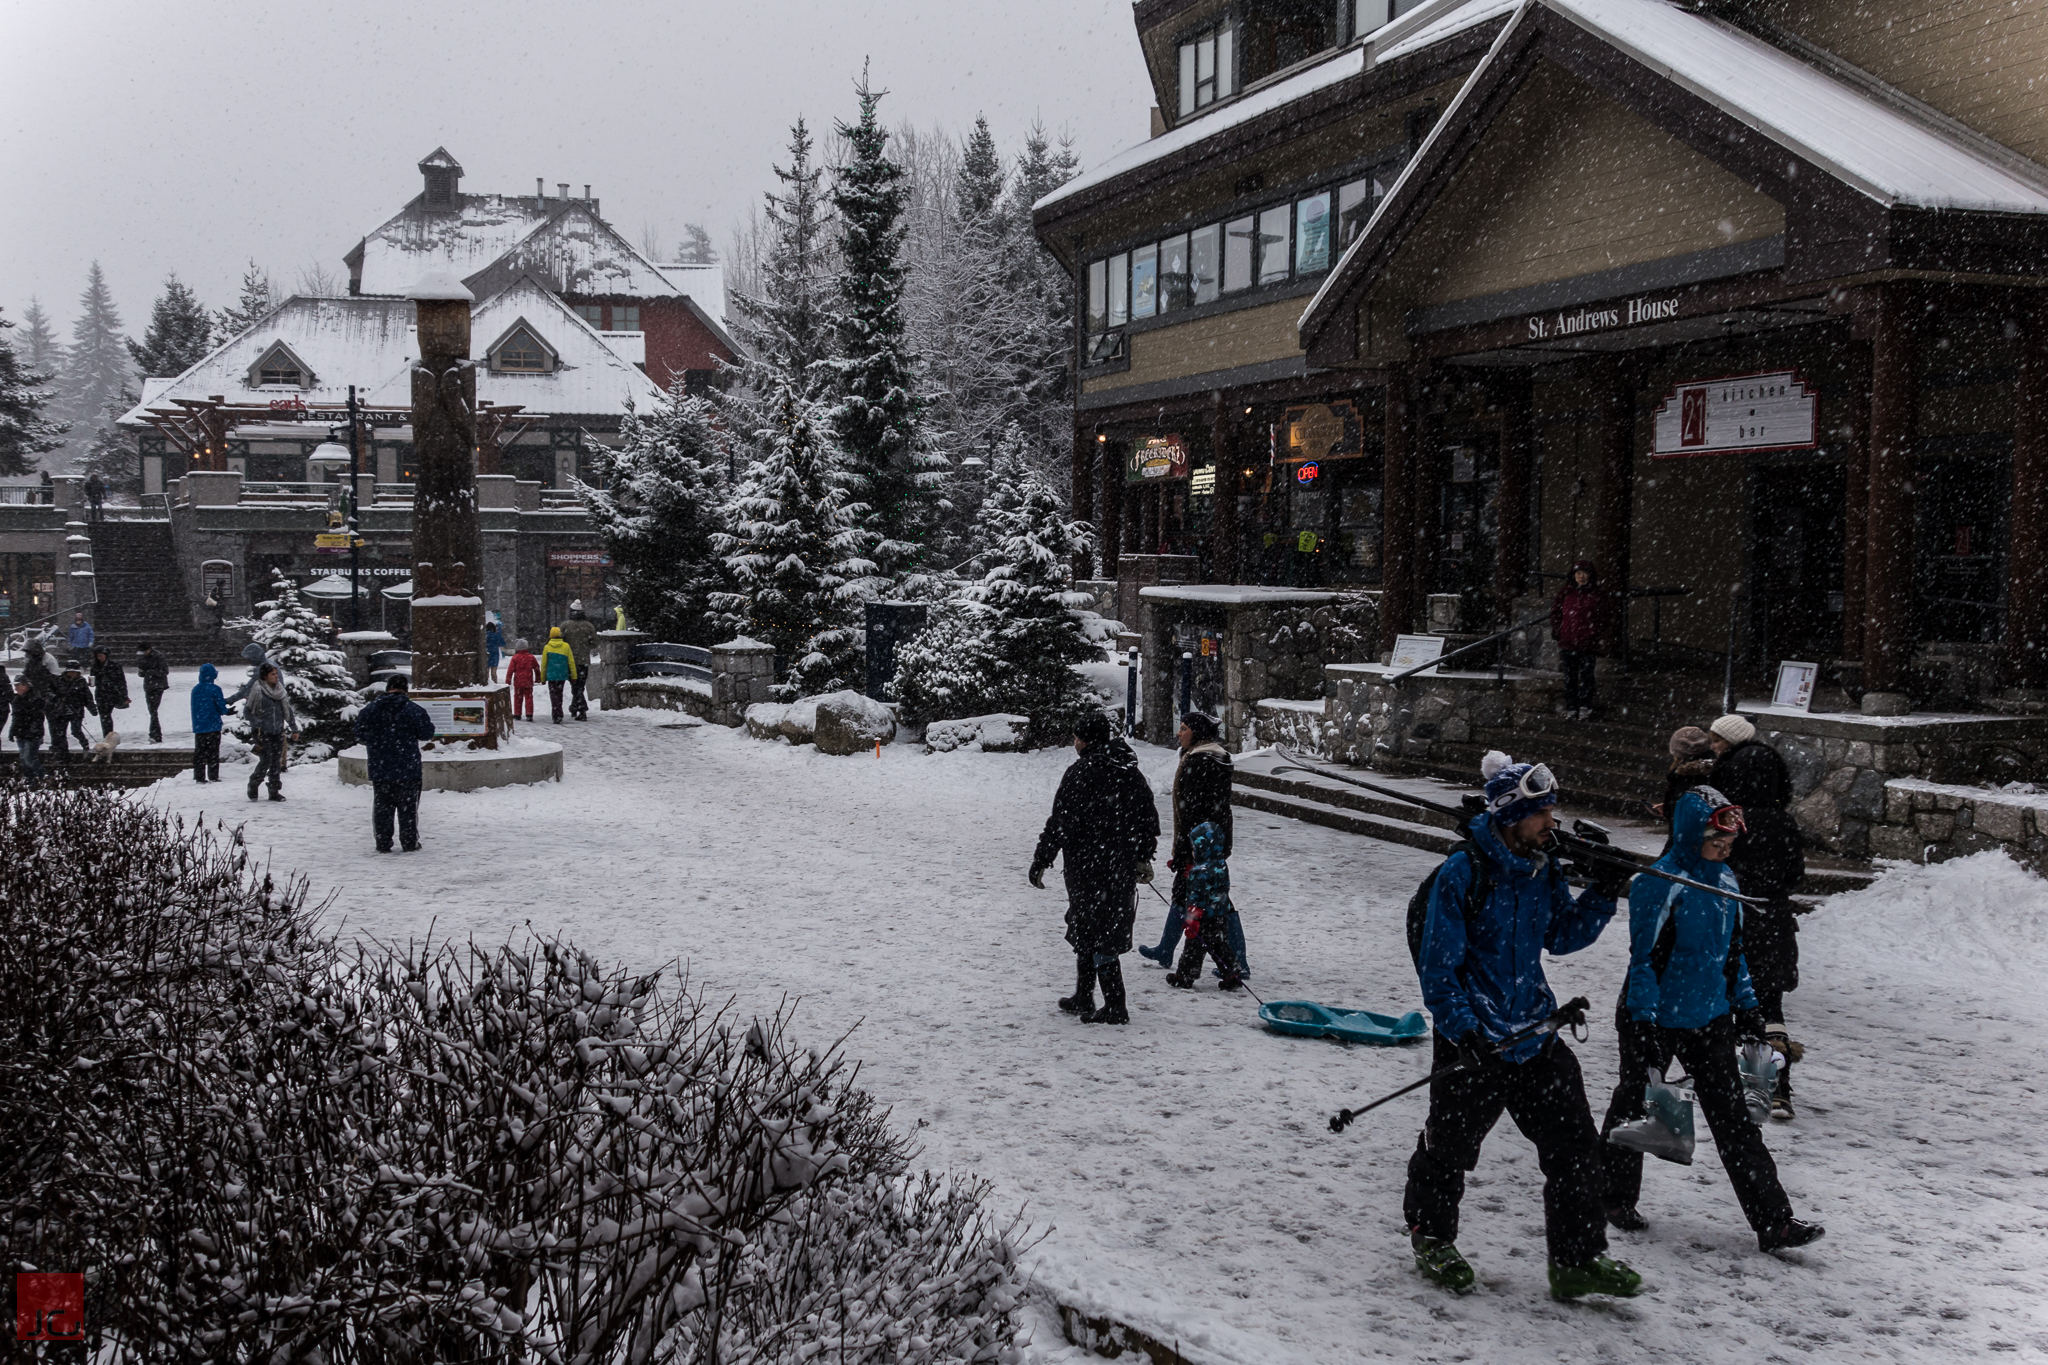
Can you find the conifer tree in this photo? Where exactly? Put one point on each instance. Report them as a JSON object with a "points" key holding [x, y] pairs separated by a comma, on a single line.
{"points": [[783, 324], [659, 513], [978, 191], [25, 429], [316, 676], [178, 336], [98, 373], [257, 298], [1039, 395], [876, 403], [39, 348], [696, 248], [793, 549]]}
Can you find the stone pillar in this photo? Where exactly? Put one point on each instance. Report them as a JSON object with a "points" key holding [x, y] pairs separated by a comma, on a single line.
{"points": [[2026, 593], [742, 673], [1517, 459], [1109, 466], [1082, 492], [1855, 502], [358, 645], [1614, 402], [1888, 572], [615, 652], [1223, 528], [447, 604], [1397, 511]]}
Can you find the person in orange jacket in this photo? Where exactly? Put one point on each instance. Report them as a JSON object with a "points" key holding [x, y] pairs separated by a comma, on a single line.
{"points": [[520, 671], [559, 661]]}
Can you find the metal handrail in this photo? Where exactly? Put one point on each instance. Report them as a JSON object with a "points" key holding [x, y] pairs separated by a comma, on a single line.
{"points": [[1442, 659]]}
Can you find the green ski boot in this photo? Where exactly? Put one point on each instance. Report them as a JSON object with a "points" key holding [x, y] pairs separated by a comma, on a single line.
{"points": [[1440, 1263], [1601, 1275]]}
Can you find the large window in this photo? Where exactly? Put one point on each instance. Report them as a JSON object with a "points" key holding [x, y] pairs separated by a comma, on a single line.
{"points": [[1237, 255], [1144, 281], [1273, 235], [522, 352], [1208, 67], [1312, 234], [1176, 286], [1205, 263]]}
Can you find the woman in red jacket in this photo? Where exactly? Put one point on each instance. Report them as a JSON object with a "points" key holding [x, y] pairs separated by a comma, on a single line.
{"points": [[1578, 621]]}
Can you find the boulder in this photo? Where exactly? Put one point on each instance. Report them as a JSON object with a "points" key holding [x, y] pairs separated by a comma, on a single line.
{"points": [[800, 720], [764, 719], [849, 723], [996, 734]]}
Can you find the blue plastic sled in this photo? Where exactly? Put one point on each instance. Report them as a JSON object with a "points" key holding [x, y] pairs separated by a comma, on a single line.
{"points": [[1306, 1019]]}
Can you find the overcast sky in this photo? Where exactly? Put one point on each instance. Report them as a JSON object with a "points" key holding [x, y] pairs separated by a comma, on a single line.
{"points": [[195, 135]]}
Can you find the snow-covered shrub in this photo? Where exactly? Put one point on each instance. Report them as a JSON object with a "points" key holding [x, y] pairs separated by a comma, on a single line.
{"points": [[316, 676], [259, 1147]]}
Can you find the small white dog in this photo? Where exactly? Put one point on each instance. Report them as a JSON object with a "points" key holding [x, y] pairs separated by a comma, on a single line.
{"points": [[103, 752]]}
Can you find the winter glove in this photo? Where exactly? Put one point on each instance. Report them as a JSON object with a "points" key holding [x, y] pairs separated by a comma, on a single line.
{"points": [[1145, 872], [1610, 880], [1749, 1025], [1037, 877], [1476, 1051], [1191, 922]]}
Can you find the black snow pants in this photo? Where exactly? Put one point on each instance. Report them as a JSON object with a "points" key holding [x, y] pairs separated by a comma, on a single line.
{"points": [[1546, 1097], [1214, 939], [1709, 1057], [206, 756], [400, 800]]}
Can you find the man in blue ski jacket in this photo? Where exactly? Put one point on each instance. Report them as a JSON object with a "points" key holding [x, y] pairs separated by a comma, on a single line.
{"points": [[1497, 905]]}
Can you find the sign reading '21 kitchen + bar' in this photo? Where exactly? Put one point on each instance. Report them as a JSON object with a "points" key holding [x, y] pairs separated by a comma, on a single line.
{"points": [[1738, 412]]}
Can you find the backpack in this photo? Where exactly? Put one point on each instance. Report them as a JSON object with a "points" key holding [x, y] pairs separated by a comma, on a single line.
{"points": [[1475, 895]]}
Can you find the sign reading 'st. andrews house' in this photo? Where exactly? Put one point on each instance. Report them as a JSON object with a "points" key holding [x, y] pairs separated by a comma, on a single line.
{"points": [[1568, 322]]}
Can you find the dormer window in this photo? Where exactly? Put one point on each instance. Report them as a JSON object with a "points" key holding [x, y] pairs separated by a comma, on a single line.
{"points": [[1208, 67], [521, 351], [278, 367]]}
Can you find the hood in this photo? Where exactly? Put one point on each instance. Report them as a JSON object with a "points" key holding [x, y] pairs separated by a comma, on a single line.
{"points": [[1207, 843], [1485, 833], [1688, 826], [35, 649], [1592, 574], [253, 652], [207, 673], [1114, 751], [554, 632], [1212, 747]]}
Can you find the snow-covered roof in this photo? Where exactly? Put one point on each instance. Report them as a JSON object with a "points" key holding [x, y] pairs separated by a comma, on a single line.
{"points": [[461, 241], [704, 283], [576, 252], [1231, 594]]}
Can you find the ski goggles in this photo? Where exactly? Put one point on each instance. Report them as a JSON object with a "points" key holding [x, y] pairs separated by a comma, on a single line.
{"points": [[1537, 783], [1727, 820]]}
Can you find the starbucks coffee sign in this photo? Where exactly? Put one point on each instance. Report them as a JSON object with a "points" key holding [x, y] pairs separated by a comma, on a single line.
{"points": [[1775, 410]]}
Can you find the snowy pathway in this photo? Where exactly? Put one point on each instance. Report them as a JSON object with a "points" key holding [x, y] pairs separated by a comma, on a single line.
{"points": [[1183, 1163]]}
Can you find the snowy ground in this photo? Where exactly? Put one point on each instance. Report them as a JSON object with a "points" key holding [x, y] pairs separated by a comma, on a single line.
{"points": [[1182, 1164]]}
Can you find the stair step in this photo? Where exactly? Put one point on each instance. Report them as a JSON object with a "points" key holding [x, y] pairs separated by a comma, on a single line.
{"points": [[1353, 799], [138, 769], [1350, 821]]}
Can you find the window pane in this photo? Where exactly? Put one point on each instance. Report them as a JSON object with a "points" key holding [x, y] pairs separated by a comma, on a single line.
{"points": [[1205, 61], [1237, 255], [626, 319], [1354, 210], [1369, 15], [1226, 66], [1176, 290], [1312, 234], [1144, 281], [1187, 78], [1203, 265], [1098, 296], [1119, 290], [1273, 244]]}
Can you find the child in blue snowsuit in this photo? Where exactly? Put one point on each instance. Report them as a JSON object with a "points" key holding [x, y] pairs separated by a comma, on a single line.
{"points": [[1208, 913], [208, 706]]}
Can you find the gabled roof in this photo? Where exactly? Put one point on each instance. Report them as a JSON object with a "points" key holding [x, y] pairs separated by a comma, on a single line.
{"points": [[1851, 169], [576, 252], [463, 240]]}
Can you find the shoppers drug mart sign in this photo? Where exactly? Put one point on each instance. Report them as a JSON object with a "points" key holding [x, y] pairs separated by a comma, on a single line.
{"points": [[1738, 412]]}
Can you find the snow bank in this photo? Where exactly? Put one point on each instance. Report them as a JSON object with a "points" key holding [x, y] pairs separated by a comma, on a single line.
{"points": [[1983, 912], [996, 734]]}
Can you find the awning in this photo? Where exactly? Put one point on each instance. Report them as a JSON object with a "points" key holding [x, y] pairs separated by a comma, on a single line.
{"points": [[400, 591]]}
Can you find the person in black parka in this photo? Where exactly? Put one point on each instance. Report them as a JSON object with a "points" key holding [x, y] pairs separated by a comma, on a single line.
{"points": [[109, 688], [1769, 860], [391, 728], [1106, 825]]}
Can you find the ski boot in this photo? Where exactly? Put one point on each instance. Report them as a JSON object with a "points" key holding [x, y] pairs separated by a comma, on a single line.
{"points": [[1793, 1234], [1601, 1275], [1440, 1263]]}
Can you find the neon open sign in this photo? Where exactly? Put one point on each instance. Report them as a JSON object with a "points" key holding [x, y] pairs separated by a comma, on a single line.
{"points": [[1307, 473]]}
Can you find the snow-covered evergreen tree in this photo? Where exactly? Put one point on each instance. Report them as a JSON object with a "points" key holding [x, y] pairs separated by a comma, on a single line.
{"points": [[875, 396], [179, 335], [316, 675], [98, 373], [1040, 396], [257, 298], [658, 512], [26, 430], [695, 248], [793, 549], [781, 320], [38, 345], [1009, 641]]}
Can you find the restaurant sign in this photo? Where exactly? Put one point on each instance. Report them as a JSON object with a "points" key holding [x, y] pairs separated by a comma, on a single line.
{"points": [[1599, 317], [1157, 457], [1737, 412], [1323, 431]]}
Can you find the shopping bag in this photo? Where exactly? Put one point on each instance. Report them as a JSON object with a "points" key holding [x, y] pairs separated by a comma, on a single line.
{"points": [[1665, 1131], [1758, 1065]]}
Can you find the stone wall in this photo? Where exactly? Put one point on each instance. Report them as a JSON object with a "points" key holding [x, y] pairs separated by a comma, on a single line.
{"points": [[1932, 821], [689, 695], [1275, 643], [1365, 719]]}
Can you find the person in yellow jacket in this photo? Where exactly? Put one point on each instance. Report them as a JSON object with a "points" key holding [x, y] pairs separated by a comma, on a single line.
{"points": [[558, 664]]}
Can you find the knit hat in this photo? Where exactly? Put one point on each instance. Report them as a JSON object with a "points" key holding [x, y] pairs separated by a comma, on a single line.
{"points": [[1092, 727], [1689, 741], [554, 632], [1204, 727], [519, 644], [1734, 729], [1504, 799]]}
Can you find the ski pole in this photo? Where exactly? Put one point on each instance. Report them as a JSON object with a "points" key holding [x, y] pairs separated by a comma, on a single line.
{"points": [[1572, 1012], [1243, 976]]}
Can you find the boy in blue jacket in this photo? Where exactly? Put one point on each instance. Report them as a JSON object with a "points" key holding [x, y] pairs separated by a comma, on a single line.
{"points": [[1207, 916], [208, 706], [1481, 965], [1689, 995]]}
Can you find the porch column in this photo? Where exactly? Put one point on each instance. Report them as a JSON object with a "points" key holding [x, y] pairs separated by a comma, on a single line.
{"points": [[2026, 593], [1614, 402], [1888, 537], [1223, 530], [1112, 504], [1397, 509], [1082, 491], [1856, 502], [1517, 456]]}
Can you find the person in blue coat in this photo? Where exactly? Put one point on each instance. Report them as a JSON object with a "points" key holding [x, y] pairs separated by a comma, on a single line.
{"points": [[391, 728], [1689, 996], [494, 646], [208, 707], [1481, 964]]}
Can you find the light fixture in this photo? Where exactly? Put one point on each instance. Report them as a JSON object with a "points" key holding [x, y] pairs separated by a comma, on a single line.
{"points": [[1100, 437], [329, 452]]}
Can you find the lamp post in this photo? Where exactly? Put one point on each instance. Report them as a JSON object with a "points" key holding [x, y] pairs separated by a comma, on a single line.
{"points": [[355, 488]]}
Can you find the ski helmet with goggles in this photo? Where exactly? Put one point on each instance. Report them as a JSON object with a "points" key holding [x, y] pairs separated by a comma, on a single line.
{"points": [[1516, 791], [1725, 818]]}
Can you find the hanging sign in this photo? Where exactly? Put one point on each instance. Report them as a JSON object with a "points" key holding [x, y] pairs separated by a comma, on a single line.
{"points": [[1324, 431], [1157, 457], [1738, 412], [1307, 473], [1203, 480], [579, 559]]}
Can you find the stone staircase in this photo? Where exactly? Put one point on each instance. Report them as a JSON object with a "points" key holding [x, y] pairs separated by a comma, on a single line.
{"points": [[134, 768], [141, 597]]}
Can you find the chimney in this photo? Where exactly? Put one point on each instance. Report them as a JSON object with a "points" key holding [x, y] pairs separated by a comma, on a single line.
{"points": [[586, 194], [563, 186], [540, 189]]}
